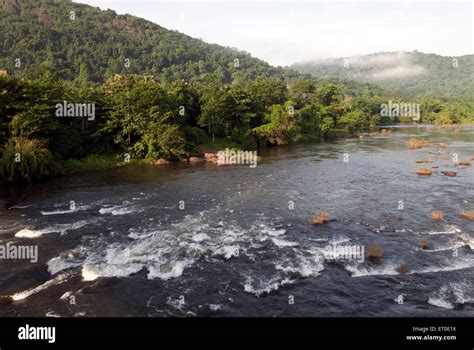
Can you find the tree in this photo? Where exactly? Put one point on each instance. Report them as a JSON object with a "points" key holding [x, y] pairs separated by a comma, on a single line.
{"points": [[354, 121], [84, 75], [214, 107], [310, 121], [328, 93], [281, 127]]}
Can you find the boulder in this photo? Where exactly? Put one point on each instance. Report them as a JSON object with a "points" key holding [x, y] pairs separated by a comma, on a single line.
{"points": [[211, 158], [160, 161], [424, 171], [196, 160]]}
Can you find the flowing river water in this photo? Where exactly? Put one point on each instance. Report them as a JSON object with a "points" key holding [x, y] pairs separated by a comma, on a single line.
{"points": [[187, 240]]}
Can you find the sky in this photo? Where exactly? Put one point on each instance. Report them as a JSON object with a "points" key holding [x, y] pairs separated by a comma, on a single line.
{"points": [[284, 32]]}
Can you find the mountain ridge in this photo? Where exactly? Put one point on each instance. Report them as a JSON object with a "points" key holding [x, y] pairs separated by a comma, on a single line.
{"points": [[409, 73], [96, 44]]}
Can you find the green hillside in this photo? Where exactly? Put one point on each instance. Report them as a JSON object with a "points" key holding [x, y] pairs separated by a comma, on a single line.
{"points": [[92, 44], [406, 73]]}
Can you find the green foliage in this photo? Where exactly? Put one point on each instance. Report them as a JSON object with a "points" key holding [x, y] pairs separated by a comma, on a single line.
{"points": [[25, 160], [214, 107], [328, 93], [327, 127], [310, 121], [165, 141], [354, 121], [89, 163], [194, 137], [220, 143], [281, 127], [445, 118]]}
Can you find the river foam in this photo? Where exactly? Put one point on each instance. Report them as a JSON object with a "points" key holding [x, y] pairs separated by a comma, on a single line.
{"points": [[167, 251], [453, 294]]}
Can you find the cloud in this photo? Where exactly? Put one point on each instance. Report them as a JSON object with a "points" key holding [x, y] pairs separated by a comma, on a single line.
{"points": [[379, 66], [401, 71], [380, 59]]}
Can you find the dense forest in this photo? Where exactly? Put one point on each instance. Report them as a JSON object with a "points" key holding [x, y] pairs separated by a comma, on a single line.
{"points": [[156, 93], [80, 42]]}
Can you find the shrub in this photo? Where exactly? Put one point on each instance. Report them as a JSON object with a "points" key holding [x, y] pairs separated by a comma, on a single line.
{"points": [[25, 160], [437, 215], [163, 141], [320, 218], [440, 144], [402, 269], [373, 253], [424, 244], [172, 142], [467, 214], [194, 136], [464, 162], [414, 143], [444, 118]]}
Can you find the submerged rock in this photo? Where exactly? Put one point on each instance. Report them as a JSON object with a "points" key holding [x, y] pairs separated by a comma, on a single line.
{"points": [[464, 162], [424, 171], [6, 300], [449, 173]]}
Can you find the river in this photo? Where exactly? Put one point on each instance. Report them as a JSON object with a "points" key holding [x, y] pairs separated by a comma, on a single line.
{"points": [[202, 240]]}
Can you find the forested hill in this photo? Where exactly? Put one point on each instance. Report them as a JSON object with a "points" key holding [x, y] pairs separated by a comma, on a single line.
{"points": [[91, 44], [414, 73]]}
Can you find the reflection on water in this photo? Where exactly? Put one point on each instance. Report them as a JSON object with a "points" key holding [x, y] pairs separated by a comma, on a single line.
{"points": [[184, 240]]}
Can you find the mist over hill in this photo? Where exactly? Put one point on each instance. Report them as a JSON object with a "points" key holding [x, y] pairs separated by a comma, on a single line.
{"points": [[408, 73]]}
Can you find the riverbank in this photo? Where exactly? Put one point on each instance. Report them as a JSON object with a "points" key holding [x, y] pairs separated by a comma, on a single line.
{"points": [[207, 152]]}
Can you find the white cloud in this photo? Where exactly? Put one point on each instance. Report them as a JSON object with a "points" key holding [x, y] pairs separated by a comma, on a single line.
{"points": [[398, 72]]}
